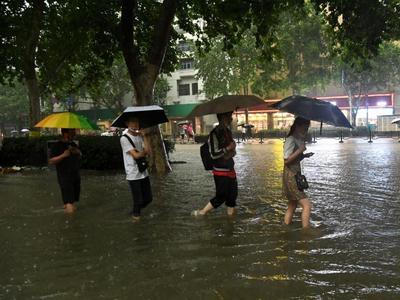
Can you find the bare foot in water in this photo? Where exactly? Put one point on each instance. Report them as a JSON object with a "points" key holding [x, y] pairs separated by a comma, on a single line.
{"points": [[197, 213], [69, 208], [135, 219]]}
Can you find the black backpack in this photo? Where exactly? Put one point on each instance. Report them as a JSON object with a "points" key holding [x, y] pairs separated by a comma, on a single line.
{"points": [[206, 156]]}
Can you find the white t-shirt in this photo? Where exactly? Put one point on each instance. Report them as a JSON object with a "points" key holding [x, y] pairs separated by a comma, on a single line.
{"points": [[290, 145], [131, 168]]}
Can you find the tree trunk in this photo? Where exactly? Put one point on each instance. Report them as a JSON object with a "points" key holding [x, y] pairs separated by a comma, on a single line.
{"points": [[30, 77], [144, 75], [144, 90], [158, 159], [34, 101]]}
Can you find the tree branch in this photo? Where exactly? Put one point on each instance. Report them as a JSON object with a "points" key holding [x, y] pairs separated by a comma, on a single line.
{"points": [[32, 40], [126, 37], [162, 32]]}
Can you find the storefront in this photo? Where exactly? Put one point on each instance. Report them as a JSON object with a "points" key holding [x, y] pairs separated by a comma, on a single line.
{"points": [[177, 113], [369, 109]]}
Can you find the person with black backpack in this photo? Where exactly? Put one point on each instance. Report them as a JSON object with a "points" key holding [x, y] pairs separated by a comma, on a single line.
{"points": [[134, 154], [222, 149]]}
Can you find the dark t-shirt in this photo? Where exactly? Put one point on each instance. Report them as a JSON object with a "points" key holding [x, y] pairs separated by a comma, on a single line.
{"points": [[68, 168], [224, 138]]}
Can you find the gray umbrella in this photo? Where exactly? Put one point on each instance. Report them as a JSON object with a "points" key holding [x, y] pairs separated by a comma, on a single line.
{"points": [[148, 116], [224, 104], [396, 121], [313, 109], [183, 122]]}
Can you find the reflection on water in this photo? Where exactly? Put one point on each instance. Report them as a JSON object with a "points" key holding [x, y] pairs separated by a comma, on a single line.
{"points": [[352, 253]]}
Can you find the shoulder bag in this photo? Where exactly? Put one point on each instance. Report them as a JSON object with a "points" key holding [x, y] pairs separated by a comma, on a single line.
{"points": [[142, 161]]}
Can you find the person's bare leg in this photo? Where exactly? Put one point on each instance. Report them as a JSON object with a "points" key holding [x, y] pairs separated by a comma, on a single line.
{"points": [[230, 211], [206, 209], [289, 212], [306, 212], [69, 208]]}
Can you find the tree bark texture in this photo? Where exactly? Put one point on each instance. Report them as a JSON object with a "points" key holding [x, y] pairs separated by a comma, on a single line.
{"points": [[34, 101]]}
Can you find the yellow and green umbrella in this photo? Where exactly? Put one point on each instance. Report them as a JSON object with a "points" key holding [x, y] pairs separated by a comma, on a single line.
{"points": [[66, 120]]}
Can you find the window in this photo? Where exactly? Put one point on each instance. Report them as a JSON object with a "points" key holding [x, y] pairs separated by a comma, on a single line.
{"points": [[195, 88], [183, 89], [183, 46], [187, 64]]}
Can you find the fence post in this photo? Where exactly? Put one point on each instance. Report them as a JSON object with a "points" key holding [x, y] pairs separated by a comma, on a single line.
{"points": [[261, 138], [370, 135], [341, 136]]}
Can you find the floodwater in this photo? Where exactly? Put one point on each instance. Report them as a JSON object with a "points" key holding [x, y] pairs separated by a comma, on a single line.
{"points": [[353, 251]]}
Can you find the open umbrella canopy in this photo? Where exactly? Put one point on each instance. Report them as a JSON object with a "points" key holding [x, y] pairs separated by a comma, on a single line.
{"points": [[396, 121], [66, 120], [245, 125], [148, 116], [224, 104], [313, 109], [180, 123]]}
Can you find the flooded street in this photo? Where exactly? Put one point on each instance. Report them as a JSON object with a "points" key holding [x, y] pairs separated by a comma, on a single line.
{"points": [[352, 253]]}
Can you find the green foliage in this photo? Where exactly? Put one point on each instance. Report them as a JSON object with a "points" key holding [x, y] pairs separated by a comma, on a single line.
{"points": [[357, 28], [232, 71], [110, 90], [63, 44], [13, 103], [161, 90], [24, 151], [244, 62], [214, 69], [360, 76], [101, 153], [301, 58]]}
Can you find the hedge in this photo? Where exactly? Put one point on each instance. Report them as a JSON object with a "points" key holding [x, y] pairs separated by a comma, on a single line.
{"points": [[99, 152]]}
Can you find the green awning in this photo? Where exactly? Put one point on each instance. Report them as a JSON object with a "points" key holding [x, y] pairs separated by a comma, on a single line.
{"points": [[172, 111], [98, 114], [178, 110]]}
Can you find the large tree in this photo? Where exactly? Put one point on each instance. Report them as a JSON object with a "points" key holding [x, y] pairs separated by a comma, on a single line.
{"points": [[229, 72], [301, 59], [214, 69], [43, 41], [148, 38], [110, 90], [360, 76], [357, 28]]}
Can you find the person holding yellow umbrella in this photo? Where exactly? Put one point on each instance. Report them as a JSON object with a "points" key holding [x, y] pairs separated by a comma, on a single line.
{"points": [[66, 155]]}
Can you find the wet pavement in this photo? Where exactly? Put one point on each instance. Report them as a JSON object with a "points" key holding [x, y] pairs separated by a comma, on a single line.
{"points": [[352, 253]]}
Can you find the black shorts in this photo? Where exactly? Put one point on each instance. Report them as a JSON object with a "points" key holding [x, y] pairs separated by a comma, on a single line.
{"points": [[70, 189], [141, 194], [226, 191]]}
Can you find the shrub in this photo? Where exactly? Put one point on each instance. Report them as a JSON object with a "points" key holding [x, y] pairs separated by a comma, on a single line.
{"points": [[99, 152]]}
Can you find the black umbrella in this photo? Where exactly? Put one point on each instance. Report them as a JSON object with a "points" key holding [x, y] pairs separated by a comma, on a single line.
{"points": [[396, 121], [148, 116], [246, 125], [313, 109], [224, 104]]}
